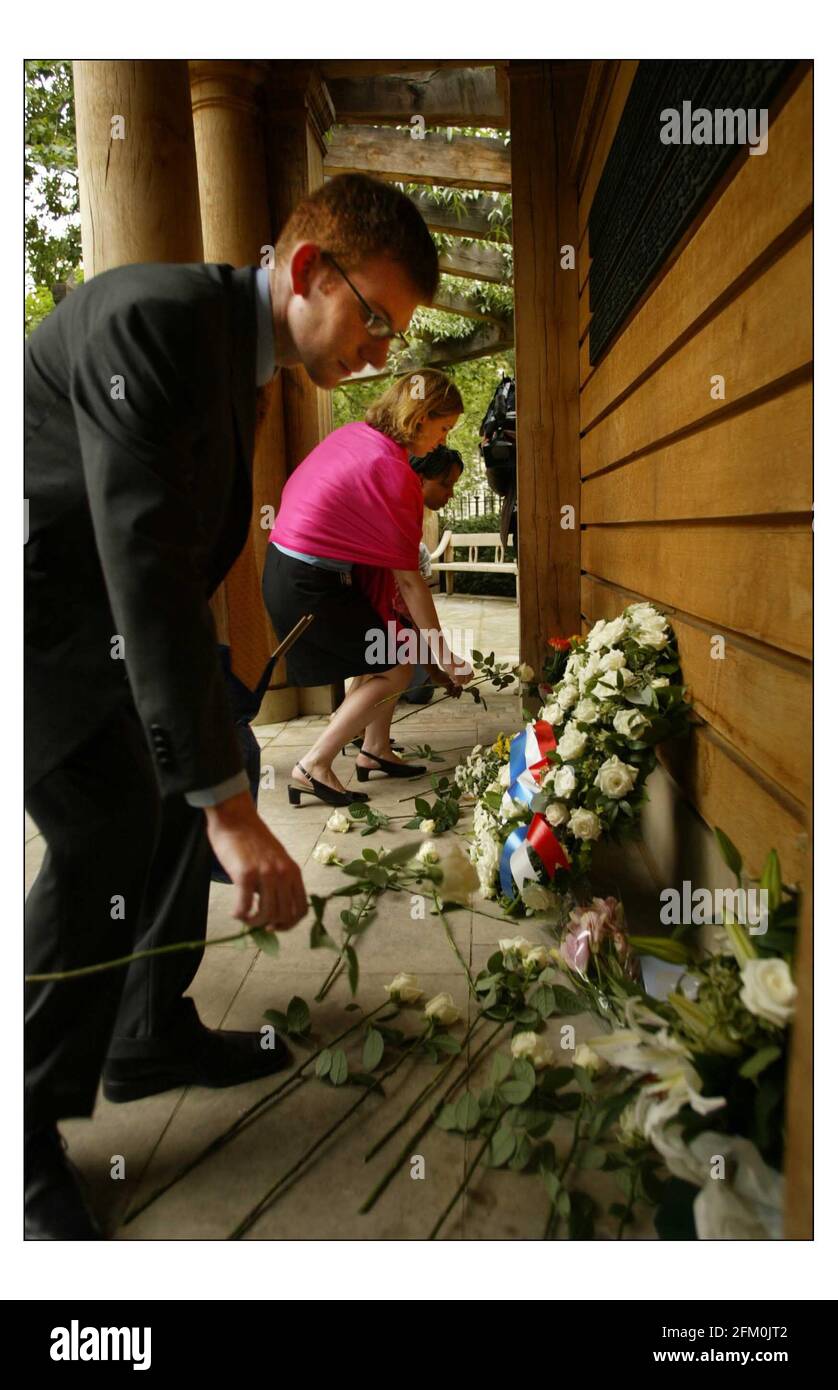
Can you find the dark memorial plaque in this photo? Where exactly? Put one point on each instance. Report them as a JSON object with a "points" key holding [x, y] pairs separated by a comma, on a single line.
{"points": [[650, 190]]}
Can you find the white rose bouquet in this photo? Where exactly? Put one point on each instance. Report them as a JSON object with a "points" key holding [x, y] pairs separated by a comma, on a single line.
{"points": [[608, 699]]}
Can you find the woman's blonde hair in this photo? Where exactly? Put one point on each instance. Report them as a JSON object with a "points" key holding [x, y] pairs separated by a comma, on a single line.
{"points": [[409, 399]]}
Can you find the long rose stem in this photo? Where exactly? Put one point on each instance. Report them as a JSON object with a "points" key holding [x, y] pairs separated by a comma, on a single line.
{"points": [[423, 1094], [409, 1147], [253, 1113], [465, 1182], [273, 1194], [454, 947], [139, 955]]}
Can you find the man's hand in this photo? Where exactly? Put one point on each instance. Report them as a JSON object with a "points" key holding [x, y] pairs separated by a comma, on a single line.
{"points": [[270, 885]]}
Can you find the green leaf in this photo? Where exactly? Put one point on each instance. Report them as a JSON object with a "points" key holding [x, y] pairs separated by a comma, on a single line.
{"points": [[515, 1092], [401, 855], [373, 1050], [544, 1001], [278, 1019], [554, 1078], [526, 1016], [422, 808], [568, 1001], [730, 853], [467, 1112], [501, 1067], [267, 941], [358, 868], [323, 1064], [757, 1062], [502, 1146], [771, 880], [563, 1203], [299, 1018], [445, 1043], [447, 1118], [522, 1154], [339, 1070], [592, 1157]]}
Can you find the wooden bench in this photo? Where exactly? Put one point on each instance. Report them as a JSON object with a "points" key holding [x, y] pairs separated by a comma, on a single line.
{"points": [[474, 541]]}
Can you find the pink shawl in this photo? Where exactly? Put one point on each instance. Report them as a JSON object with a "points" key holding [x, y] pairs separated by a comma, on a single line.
{"points": [[356, 498]]}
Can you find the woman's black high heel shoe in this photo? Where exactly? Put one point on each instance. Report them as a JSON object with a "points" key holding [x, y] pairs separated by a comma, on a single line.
{"points": [[391, 769], [323, 792], [359, 743]]}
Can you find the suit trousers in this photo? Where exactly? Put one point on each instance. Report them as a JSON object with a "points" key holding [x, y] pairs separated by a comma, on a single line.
{"points": [[124, 870]]}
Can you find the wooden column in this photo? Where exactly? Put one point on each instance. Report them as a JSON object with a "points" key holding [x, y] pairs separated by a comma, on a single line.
{"points": [[235, 216], [543, 105], [299, 113], [138, 182]]}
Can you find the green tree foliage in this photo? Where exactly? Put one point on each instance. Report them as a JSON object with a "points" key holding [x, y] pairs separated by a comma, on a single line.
{"points": [[53, 229]]}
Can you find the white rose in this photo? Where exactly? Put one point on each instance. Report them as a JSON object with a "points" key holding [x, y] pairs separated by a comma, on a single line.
{"points": [[630, 723], [525, 673], [572, 743], [564, 781], [427, 853], [459, 879], [552, 713], [404, 987], [587, 711], [533, 1048], [585, 1057], [659, 682], [325, 854], [443, 1009], [556, 813], [505, 776], [427, 827], [591, 668], [339, 822], [536, 897], [612, 661], [567, 695], [654, 637], [585, 825], [478, 748], [604, 634], [615, 778], [768, 990], [747, 1204], [538, 955], [515, 945], [608, 687]]}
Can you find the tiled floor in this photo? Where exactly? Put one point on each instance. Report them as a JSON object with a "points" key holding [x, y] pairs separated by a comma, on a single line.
{"points": [[233, 988]]}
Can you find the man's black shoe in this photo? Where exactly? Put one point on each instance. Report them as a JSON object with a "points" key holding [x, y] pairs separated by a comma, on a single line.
{"points": [[204, 1058], [54, 1207]]}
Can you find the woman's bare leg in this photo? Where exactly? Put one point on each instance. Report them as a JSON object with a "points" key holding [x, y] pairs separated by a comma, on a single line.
{"points": [[356, 713]]}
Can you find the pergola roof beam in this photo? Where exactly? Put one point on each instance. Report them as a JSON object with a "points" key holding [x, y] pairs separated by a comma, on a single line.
{"points": [[465, 161], [466, 96]]}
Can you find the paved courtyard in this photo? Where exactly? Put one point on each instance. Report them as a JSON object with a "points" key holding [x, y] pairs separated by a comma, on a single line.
{"points": [[157, 1137]]}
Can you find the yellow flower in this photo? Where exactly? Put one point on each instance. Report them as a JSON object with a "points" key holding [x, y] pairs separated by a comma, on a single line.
{"points": [[501, 746]]}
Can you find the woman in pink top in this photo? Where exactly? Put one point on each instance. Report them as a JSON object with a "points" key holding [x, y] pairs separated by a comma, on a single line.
{"points": [[349, 527]]}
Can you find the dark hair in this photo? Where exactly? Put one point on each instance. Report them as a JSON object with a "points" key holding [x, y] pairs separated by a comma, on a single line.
{"points": [[439, 461], [356, 217]]}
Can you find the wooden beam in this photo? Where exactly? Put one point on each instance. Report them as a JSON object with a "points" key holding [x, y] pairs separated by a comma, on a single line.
{"points": [[466, 161], [474, 221], [484, 342], [475, 263], [465, 96], [449, 302], [547, 359], [374, 67]]}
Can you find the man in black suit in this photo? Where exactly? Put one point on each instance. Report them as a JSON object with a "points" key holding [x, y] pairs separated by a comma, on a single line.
{"points": [[140, 402]]}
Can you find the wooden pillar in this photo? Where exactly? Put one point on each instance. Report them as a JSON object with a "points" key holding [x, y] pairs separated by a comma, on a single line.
{"points": [[543, 105], [138, 183], [235, 216], [299, 113]]}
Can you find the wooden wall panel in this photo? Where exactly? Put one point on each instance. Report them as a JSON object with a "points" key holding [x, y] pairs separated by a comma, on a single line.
{"points": [[754, 463], [760, 337]]}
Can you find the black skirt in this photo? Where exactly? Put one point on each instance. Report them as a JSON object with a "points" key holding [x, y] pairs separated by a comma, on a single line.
{"points": [[335, 645]]}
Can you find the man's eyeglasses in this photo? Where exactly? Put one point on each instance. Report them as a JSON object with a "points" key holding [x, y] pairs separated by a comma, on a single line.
{"points": [[376, 324]]}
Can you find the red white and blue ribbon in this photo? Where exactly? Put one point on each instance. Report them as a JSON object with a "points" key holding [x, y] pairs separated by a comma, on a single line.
{"points": [[527, 763], [528, 759]]}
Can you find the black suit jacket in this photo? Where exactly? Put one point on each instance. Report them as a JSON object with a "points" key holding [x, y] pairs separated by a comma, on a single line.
{"points": [[139, 423]]}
